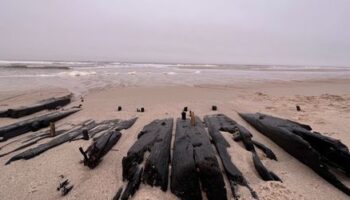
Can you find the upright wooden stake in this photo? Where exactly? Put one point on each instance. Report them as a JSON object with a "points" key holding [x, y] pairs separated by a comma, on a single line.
{"points": [[52, 129], [193, 120]]}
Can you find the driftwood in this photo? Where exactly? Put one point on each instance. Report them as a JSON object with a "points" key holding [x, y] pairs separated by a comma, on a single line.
{"points": [[68, 136], [32, 142], [64, 187], [118, 194], [194, 163], [311, 148], [217, 123], [133, 184], [99, 148], [33, 124], [46, 104], [155, 138], [220, 122]]}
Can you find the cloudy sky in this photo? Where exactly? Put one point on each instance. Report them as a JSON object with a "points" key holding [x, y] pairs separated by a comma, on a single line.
{"points": [[302, 32]]}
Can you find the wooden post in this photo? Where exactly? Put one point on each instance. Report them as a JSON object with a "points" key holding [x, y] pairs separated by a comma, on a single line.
{"points": [[52, 129], [183, 115], [193, 120]]}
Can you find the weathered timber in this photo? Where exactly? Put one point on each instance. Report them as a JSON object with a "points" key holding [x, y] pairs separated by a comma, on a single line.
{"points": [[268, 152], [33, 124], [216, 123], [311, 148], [64, 187], [125, 124], [33, 152], [99, 148], [156, 139], [183, 115], [69, 136], [194, 163], [133, 184], [32, 142], [118, 194], [221, 122], [46, 104], [264, 173]]}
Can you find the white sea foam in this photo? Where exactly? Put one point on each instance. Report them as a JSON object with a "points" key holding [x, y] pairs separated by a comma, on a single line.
{"points": [[169, 73], [77, 73], [132, 73]]}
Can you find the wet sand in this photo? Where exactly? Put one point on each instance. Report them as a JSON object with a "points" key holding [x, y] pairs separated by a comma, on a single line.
{"points": [[325, 106]]}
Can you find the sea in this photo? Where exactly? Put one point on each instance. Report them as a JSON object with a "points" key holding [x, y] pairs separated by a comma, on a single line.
{"points": [[80, 77]]}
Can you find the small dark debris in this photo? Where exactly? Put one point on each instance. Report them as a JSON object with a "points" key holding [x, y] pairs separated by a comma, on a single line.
{"points": [[183, 115], [85, 134], [64, 186], [119, 108], [298, 108], [214, 108], [185, 109]]}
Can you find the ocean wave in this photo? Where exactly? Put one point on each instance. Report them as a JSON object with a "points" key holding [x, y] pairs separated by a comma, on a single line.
{"points": [[77, 73], [26, 67], [132, 73], [170, 73]]}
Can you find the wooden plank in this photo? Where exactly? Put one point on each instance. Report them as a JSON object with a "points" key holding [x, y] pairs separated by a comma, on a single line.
{"points": [[194, 163], [51, 103], [99, 148], [300, 142], [217, 123], [156, 139], [33, 152], [133, 184], [33, 124], [65, 137]]}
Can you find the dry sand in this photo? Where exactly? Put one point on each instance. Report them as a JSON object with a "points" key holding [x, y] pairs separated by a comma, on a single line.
{"points": [[325, 106]]}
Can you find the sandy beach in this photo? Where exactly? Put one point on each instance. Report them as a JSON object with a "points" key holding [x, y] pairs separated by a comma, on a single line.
{"points": [[325, 106]]}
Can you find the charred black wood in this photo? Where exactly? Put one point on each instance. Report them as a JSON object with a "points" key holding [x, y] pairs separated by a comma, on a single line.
{"points": [[32, 142], [33, 152], [133, 184], [33, 124], [118, 194], [99, 148], [183, 115], [221, 122], [268, 152], [264, 173], [194, 163], [125, 124], [86, 134], [216, 123], [69, 136], [51, 103], [156, 139], [65, 187], [312, 149]]}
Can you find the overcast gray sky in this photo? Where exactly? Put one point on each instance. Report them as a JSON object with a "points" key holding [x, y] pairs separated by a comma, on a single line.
{"points": [[303, 32]]}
